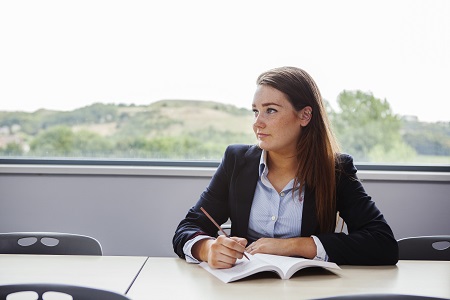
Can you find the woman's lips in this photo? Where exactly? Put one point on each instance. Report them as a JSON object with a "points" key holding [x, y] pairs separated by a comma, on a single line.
{"points": [[261, 135]]}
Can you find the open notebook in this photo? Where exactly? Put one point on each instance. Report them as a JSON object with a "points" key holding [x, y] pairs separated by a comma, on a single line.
{"points": [[284, 266]]}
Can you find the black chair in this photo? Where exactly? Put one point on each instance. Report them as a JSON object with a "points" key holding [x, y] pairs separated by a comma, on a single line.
{"points": [[380, 297], [76, 292], [48, 243], [425, 248]]}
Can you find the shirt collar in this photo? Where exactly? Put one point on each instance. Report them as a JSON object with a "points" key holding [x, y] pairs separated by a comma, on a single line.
{"points": [[263, 163]]}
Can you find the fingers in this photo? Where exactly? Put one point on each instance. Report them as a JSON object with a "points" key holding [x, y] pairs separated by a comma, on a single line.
{"points": [[268, 246], [259, 246], [252, 248], [240, 241], [225, 251], [235, 246]]}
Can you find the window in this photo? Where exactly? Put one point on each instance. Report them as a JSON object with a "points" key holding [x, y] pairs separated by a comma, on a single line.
{"points": [[174, 80]]}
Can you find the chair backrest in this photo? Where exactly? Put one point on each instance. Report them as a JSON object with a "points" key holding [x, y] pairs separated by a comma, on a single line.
{"points": [[226, 227], [48, 243], [425, 248], [380, 297], [76, 292]]}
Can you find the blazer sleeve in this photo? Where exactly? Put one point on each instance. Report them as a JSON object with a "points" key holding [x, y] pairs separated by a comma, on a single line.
{"points": [[214, 200], [370, 240]]}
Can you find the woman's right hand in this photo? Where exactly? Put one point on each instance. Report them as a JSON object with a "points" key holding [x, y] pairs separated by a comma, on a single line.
{"points": [[220, 253]]}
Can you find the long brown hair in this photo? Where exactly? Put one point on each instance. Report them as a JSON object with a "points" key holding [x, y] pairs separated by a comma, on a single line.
{"points": [[317, 147]]}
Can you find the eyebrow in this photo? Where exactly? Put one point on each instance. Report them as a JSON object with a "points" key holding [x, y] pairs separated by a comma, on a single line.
{"points": [[268, 104]]}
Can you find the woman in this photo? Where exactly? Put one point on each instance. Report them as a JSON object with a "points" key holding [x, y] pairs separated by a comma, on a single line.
{"points": [[283, 194]]}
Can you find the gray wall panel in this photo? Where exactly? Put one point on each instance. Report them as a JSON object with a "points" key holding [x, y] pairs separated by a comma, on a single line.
{"points": [[137, 215]]}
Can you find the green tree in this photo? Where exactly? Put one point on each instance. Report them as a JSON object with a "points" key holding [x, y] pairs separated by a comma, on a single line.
{"points": [[12, 149], [427, 138], [62, 141], [89, 144], [368, 129], [56, 141]]}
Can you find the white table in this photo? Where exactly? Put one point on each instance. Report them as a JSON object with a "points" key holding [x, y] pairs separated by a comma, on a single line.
{"points": [[173, 278], [114, 273]]}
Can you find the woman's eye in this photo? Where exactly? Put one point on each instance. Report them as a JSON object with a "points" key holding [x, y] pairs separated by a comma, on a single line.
{"points": [[255, 112], [271, 110]]}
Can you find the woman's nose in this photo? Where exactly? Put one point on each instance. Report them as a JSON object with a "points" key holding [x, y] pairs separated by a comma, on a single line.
{"points": [[258, 123]]}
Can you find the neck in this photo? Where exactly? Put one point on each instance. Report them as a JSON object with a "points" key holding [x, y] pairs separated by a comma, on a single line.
{"points": [[283, 163], [281, 170]]}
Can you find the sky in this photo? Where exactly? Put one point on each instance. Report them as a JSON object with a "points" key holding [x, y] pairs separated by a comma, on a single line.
{"points": [[64, 55]]}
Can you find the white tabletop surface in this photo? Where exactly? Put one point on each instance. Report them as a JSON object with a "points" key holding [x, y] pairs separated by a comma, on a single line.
{"points": [[173, 278], [115, 273]]}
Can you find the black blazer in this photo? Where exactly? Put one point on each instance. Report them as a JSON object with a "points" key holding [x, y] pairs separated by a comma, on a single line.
{"points": [[230, 194]]}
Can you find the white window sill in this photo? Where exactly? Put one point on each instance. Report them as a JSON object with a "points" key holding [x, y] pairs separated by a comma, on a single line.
{"points": [[197, 172]]}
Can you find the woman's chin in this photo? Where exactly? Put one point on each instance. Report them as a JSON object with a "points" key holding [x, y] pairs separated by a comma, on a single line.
{"points": [[263, 145]]}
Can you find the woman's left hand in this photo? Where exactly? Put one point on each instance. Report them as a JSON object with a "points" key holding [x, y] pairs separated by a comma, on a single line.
{"points": [[300, 246], [267, 246]]}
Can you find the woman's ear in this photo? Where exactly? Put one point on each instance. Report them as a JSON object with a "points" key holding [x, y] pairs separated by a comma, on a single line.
{"points": [[305, 116]]}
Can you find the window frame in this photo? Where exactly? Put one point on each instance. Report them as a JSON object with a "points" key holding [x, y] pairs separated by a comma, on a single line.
{"points": [[202, 164], [203, 169]]}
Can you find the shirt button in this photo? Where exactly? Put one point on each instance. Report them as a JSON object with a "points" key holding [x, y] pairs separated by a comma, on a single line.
{"points": [[282, 194], [274, 218]]}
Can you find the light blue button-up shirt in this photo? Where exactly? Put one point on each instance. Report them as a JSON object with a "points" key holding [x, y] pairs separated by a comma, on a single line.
{"points": [[273, 214]]}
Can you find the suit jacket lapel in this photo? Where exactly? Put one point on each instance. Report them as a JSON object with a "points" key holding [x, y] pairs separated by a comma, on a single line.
{"points": [[310, 225], [244, 189]]}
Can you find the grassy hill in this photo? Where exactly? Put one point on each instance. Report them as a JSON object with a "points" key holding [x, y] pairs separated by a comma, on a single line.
{"points": [[128, 130]]}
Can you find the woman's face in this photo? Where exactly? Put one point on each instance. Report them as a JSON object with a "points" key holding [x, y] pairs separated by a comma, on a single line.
{"points": [[277, 124]]}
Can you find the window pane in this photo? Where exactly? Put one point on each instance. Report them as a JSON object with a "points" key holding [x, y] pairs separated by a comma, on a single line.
{"points": [[175, 79]]}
